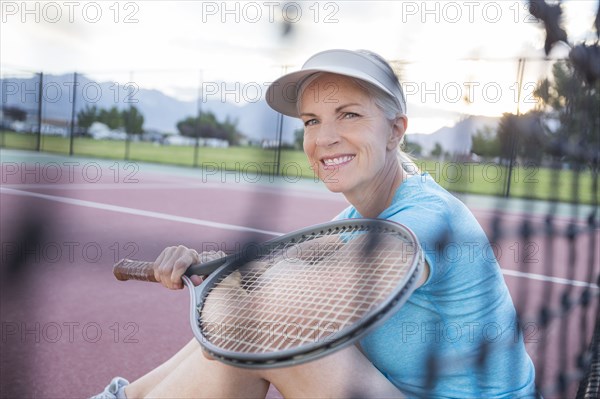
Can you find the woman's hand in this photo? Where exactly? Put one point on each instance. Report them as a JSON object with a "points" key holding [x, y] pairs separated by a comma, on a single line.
{"points": [[172, 263]]}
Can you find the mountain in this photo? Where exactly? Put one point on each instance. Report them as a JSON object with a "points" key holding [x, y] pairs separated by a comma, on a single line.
{"points": [[256, 120], [455, 140]]}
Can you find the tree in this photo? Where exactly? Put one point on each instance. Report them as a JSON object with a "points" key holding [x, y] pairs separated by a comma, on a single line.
{"points": [[506, 135], [437, 150], [209, 127], [14, 113], [575, 103], [523, 135], [533, 137], [112, 118], [486, 143], [412, 148], [299, 138], [87, 116], [131, 120], [134, 121], [188, 127], [230, 130]]}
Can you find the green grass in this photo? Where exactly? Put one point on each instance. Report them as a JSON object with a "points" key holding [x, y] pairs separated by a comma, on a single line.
{"points": [[482, 178], [20, 141], [527, 181]]}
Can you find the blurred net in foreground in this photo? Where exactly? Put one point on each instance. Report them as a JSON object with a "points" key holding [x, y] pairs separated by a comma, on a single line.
{"points": [[550, 249], [567, 315]]}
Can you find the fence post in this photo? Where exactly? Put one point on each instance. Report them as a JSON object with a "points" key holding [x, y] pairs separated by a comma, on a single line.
{"points": [[3, 92], [278, 149], [73, 114], [38, 144], [197, 145], [279, 135], [515, 138], [128, 121]]}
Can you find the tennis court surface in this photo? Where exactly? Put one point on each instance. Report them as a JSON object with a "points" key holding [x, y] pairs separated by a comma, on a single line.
{"points": [[68, 326]]}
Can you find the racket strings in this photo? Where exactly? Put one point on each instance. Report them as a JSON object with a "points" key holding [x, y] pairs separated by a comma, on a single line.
{"points": [[278, 302]]}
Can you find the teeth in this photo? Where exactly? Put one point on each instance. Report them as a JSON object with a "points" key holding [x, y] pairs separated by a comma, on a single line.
{"points": [[337, 161]]}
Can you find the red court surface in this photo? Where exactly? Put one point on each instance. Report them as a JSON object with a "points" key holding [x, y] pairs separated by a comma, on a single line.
{"points": [[68, 326]]}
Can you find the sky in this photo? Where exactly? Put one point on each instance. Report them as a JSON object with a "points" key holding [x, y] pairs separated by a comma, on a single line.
{"points": [[444, 51]]}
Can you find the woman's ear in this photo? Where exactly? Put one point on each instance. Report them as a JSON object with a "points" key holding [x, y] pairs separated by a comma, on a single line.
{"points": [[398, 129]]}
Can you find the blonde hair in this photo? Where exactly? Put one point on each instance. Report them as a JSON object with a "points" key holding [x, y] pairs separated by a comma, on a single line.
{"points": [[387, 104]]}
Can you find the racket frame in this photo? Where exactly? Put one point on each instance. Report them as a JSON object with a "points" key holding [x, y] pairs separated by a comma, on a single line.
{"points": [[336, 341]]}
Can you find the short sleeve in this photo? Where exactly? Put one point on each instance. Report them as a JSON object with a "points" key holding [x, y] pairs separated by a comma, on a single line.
{"points": [[429, 222]]}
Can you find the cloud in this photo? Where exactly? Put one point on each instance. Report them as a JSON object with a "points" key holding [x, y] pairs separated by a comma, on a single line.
{"points": [[172, 46]]}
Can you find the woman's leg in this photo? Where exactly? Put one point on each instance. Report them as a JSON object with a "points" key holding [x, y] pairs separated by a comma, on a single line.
{"points": [[143, 385], [188, 374], [344, 374]]}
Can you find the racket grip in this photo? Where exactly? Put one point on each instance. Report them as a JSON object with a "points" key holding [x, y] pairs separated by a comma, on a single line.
{"points": [[127, 269]]}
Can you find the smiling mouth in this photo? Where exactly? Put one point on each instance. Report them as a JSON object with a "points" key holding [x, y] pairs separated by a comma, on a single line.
{"points": [[337, 161]]}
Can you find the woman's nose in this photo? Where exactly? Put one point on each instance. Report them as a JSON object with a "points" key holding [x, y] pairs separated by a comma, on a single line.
{"points": [[328, 135]]}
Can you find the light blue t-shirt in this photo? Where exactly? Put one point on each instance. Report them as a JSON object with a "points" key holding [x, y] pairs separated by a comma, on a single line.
{"points": [[462, 309]]}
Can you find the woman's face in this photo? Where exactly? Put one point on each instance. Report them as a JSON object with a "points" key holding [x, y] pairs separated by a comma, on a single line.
{"points": [[347, 139]]}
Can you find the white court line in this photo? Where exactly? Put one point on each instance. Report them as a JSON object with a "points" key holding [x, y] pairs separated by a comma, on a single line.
{"points": [[98, 187], [522, 215], [182, 219], [176, 186], [541, 277], [139, 212]]}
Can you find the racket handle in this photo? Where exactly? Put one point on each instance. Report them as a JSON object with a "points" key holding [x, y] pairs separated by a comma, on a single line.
{"points": [[127, 269]]}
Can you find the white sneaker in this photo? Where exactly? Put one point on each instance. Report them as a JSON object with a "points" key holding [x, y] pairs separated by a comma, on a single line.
{"points": [[111, 390]]}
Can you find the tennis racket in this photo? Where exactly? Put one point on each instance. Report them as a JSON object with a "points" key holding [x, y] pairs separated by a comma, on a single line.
{"points": [[300, 296]]}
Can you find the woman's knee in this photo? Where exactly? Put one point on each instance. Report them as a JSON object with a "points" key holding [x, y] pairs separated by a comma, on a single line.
{"points": [[345, 373]]}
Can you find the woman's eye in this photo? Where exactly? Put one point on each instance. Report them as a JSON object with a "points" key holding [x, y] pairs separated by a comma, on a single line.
{"points": [[350, 115], [310, 122]]}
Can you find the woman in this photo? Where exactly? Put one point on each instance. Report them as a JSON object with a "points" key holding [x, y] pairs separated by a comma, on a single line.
{"points": [[455, 337]]}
